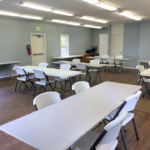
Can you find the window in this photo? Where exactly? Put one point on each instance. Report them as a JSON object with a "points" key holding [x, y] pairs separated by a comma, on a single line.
{"points": [[64, 43]]}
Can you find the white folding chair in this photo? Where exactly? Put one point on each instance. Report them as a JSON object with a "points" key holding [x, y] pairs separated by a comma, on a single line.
{"points": [[104, 58], [24, 77], [44, 65], [84, 71], [119, 62], [65, 80], [46, 99], [93, 70], [142, 79], [129, 105], [110, 63], [75, 61], [98, 58], [80, 86], [42, 80], [107, 140]]}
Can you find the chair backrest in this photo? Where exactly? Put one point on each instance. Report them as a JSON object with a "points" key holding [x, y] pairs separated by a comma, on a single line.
{"points": [[131, 101], [110, 132], [62, 62], [105, 56], [80, 66], [39, 74], [65, 67], [19, 70], [76, 60], [140, 68], [46, 99], [119, 56], [110, 60], [80, 86], [98, 58], [43, 64], [96, 61]]}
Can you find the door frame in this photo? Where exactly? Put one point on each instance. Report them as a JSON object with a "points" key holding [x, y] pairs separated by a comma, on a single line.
{"points": [[44, 35]]}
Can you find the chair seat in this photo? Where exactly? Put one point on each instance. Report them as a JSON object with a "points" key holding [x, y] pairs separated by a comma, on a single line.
{"points": [[86, 142], [111, 115], [128, 118], [110, 65], [43, 82], [145, 80], [93, 70], [25, 79]]}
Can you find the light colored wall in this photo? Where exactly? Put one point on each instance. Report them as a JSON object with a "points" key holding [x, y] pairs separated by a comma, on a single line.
{"points": [[15, 35], [144, 50], [131, 43]]}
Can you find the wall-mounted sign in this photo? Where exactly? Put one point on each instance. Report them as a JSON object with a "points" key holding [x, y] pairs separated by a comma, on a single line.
{"points": [[37, 29]]}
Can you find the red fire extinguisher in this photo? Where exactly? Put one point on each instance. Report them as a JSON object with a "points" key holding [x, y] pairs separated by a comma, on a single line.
{"points": [[29, 49]]}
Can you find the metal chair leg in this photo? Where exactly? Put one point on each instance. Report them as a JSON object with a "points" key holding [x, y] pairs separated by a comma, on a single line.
{"points": [[55, 85], [24, 87], [136, 133], [61, 85], [16, 85], [123, 140], [104, 122], [117, 148], [34, 90]]}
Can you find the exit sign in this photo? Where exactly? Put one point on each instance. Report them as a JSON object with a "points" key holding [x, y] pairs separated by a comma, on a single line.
{"points": [[38, 29]]}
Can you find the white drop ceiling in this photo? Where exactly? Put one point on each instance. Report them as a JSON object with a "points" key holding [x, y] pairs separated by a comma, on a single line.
{"points": [[80, 8]]}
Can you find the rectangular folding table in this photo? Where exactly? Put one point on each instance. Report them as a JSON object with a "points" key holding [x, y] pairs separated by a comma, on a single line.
{"points": [[66, 74], [59, 125]]}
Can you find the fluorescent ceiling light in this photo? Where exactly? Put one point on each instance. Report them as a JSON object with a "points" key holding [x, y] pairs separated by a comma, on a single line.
{"points": [[136, 18], [58, 21], [32, 17], [74, 23], [9, 14], [88, 18], [35, 6], [129, 15], [106, 6], [91, 1], [91, 26], [93, 19], [101, 21], [62, 13], [65, 22]]}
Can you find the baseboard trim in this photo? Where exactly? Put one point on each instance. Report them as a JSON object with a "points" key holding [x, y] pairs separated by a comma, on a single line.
{"points": [[129, 68], [8, 76]]}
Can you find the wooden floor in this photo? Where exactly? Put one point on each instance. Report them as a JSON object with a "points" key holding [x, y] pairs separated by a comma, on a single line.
{"points": [[15, 104]]}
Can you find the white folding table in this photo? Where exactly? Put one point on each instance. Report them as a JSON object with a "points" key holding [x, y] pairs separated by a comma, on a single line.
{"points": [[58, 126], [66, 74], [119, 60], [67, 57], [6, 63], [89, 65]]}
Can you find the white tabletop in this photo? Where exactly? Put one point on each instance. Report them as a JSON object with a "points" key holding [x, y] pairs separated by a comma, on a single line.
{"points": [[9, 62], [87, 64], [58, 126], [67, 57], [53, 72], [104, 58], [145, 73]]}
